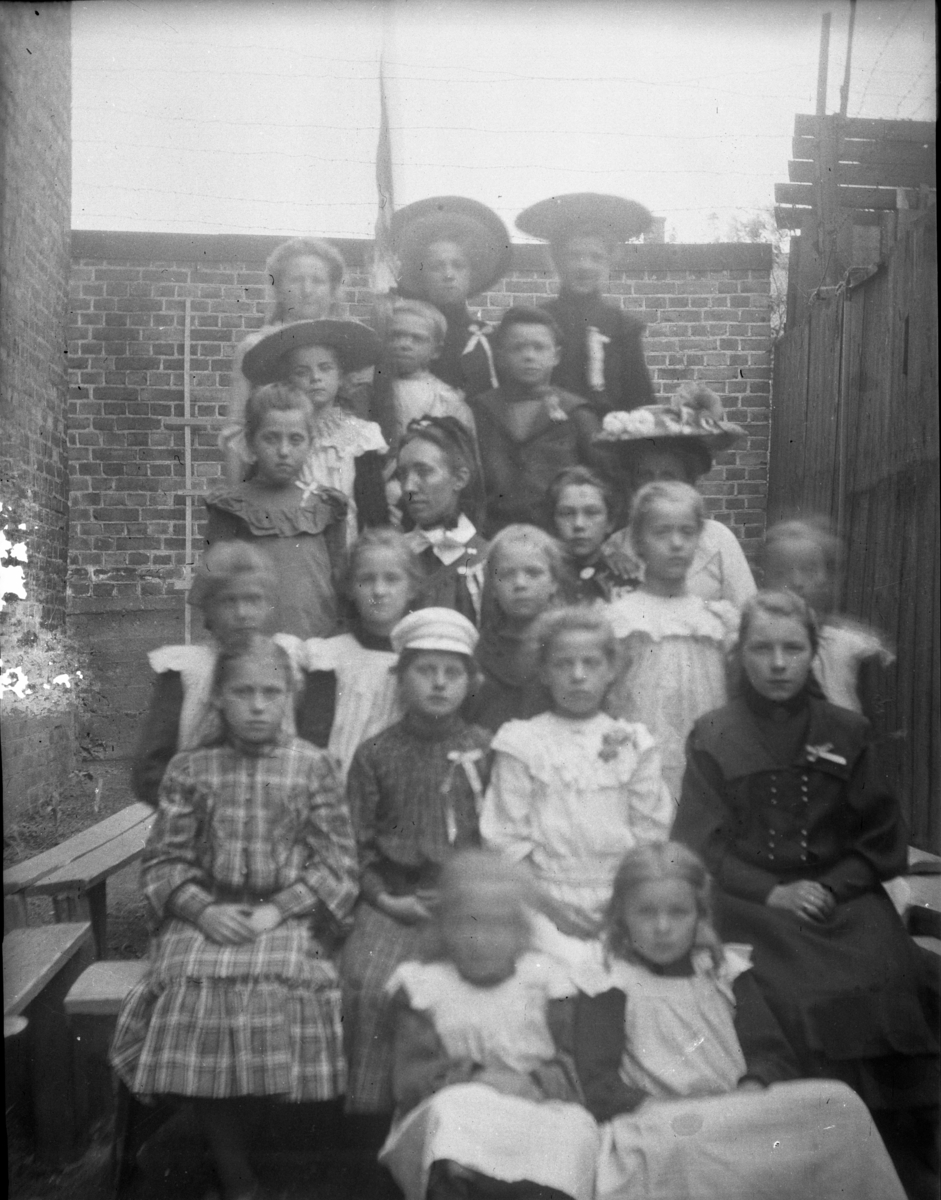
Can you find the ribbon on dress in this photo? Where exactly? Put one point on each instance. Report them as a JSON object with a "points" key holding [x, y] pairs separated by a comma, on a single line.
{"points": [[826, 753], [478, 332], [595, 366], [467, 761]]}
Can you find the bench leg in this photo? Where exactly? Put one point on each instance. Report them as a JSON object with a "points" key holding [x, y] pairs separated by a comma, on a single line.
{"points": [[58, 1093], [88, 906], [134, 1123]]}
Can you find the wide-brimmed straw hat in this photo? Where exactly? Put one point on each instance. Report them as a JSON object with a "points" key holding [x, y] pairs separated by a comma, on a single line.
{"points": [[692, 421], [559, 218], [472, 225], [355, 344]]}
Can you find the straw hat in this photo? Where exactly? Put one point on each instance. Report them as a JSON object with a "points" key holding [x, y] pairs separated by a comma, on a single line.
{"points": [[356, 346], [435, 629], [612, 218], [692, 420], [472, 225]]}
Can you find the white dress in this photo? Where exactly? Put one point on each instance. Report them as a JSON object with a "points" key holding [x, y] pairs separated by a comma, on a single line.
{"points": [[551, 1143], [339, 440], [367, 698], [841, 648], [675, 651], [698, 1138], [571, 798], [427, 396]]}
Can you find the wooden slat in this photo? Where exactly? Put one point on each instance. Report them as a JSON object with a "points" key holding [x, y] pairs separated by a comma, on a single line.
{"points": [[790, 218], [859, 150], [100, 990], [25, 874], [881, 199], [32, 957], [83, 873], [864, 174], [806, 125]]}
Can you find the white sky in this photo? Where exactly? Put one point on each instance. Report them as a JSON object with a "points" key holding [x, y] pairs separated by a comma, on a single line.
{"points": [[260, 116]]}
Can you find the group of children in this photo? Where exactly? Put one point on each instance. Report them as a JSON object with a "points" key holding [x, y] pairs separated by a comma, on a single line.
{"points": [[559, 854]]}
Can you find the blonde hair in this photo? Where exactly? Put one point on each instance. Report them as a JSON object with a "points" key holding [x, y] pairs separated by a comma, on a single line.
{"points": [[527, 537], [254, 647], [670, 490], [377, 539], [649, 864], [432, 316], [549, 626], [777, 604], [221, 565], [276, 397]]}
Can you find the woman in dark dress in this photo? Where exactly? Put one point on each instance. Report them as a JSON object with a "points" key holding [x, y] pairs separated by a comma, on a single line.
{"points": [[451, 248], [785, 801], [602, 353]]}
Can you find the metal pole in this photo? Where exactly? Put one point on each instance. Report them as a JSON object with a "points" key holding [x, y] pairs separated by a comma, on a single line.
{"points": [[822, 65], [845, 89], [187, 472]]}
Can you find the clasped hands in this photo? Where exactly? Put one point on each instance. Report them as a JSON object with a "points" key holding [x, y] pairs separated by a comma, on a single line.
{"points": [[235, 924], [804, 898]]}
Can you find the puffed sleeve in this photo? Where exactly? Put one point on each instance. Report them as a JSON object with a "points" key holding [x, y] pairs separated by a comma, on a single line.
{"points": [[598, 1047], [704, 822], [159, 736], [505, 823], [649, 802], [328, 874], [174, 881], [878, 845], [363, 795]]}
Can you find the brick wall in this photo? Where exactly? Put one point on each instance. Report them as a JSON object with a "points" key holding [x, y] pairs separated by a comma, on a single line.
{"points": [[35, 129], [707, 309]]}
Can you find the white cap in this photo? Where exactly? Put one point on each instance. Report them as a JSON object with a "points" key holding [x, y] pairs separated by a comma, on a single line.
{"points": [[434, 629]]}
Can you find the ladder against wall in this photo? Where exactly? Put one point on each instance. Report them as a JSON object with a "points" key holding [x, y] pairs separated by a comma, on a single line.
{"points": [[854, 186]]}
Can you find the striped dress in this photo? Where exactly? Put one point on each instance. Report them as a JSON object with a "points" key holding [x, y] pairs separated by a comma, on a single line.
{"points": [[260, 1018], [414, 792]]}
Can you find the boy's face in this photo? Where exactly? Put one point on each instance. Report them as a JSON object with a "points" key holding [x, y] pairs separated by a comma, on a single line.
{"points": [[434, 684], [446, 273], [412, 344], [316, 371], [584, 264], [528, 354]]}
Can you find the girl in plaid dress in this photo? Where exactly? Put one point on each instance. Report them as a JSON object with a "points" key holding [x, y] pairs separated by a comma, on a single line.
{"points": [[250, 868]]}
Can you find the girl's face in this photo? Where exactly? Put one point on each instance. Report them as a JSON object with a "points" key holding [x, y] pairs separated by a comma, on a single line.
{"points": [[582, 520], [240, 606], [434, 684], [381, 589], [776, 656], [253, 699], [584, 264], [316, 371], [578, 672], [305, 290], [661, 916], [281, 446], [800, 567], [446, 273], [523, 584], [656, 465], [482, 939], [412, 344], [431, 488], [667, 541]]}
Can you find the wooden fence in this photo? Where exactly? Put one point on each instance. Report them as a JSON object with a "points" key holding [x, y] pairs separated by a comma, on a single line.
{"points": [[854, 435]]}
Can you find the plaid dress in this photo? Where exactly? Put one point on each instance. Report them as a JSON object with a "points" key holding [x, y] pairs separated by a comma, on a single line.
{"points": [[414, 794], [260, 1018]]}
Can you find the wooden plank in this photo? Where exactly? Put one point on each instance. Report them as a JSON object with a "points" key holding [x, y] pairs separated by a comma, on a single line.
{"points": [[901, 154], [865, 174], [790, 218], [32, 957], [807, 125], [100, 990], [848, 197], [90, 869], [24, 874]]}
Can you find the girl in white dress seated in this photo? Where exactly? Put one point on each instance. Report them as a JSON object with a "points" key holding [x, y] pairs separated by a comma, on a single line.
{"points": [[681, 1058], [485, 1105], [573, 789]]}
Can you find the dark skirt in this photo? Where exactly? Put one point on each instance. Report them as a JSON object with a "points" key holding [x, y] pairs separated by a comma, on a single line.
{"points": [[855, 995], [372, 952]]}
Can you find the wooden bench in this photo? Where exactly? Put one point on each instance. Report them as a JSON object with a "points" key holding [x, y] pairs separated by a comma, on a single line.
{"points": [[40, 965], [924, 916], [75, 873]]}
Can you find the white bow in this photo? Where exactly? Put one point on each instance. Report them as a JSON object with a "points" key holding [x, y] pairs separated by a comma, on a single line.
{"points": [[478, 338]]}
